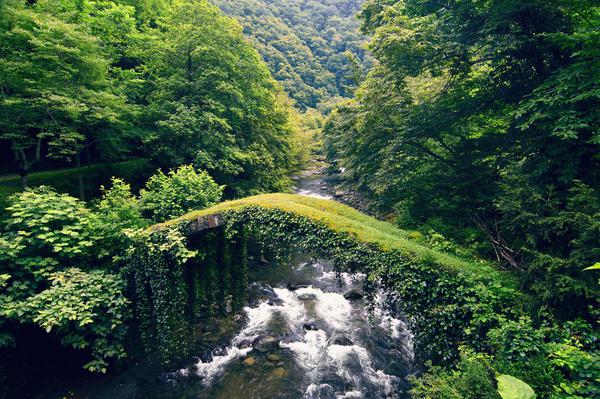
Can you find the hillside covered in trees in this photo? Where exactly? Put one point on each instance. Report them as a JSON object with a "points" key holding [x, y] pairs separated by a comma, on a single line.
{"points": [[165, 234], [314, 48], [174, 82]]}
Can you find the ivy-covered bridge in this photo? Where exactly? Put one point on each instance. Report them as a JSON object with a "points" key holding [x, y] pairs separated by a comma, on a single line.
{"points": [[446, 299]]}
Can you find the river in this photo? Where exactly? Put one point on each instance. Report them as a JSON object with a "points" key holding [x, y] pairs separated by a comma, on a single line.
{"points": [[305, 333]]}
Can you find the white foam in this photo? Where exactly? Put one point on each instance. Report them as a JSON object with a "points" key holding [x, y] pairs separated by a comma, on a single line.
{"points": [[395, 327], [332, 307], [310, 351], [313, 194], [258, 319], [342, 356], [347, 279], [313, 350], [351, 395], [292, 309], [208, 371]]}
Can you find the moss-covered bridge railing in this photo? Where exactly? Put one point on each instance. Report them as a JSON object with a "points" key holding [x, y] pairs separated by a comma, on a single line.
{"points": [[189, 270]]}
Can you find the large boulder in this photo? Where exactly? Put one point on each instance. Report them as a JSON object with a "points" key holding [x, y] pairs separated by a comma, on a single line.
{"points": [[265, 344], [343, 341], [310, 327], [354, 294]]}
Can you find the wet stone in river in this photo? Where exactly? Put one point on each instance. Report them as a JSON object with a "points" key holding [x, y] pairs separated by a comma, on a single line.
{"points": [[249, 361]]}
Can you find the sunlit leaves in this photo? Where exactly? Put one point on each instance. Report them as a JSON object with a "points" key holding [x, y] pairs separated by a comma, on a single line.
{"points": [[182, 190]]}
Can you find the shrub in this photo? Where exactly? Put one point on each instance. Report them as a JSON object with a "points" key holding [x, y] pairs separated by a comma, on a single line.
{"points": [[170, 196], [119, 209], [87, 310], [516, 340], [49, 246], [472, 378]]}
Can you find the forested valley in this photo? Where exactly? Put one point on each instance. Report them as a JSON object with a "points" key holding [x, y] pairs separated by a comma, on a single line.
{"points": [[300, 199]]}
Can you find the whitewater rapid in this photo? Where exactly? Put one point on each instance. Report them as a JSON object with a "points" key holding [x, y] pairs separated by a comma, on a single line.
{"points": [[338, 347]]}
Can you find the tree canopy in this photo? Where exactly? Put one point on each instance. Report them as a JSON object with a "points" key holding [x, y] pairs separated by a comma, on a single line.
{"points": [[172, 81], [312, 47], [482, 117]]}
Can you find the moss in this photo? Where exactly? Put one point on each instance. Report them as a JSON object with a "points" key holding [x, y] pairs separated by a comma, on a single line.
{"points": [[344, 219]]}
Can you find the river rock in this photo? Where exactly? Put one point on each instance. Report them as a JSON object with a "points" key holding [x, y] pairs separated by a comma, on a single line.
{"points": [[265, 344], [307, 297], [275, 302], [219, 352], [249, 361], [245, 344], [206, 357], [279, 372], [343, 341], [272, 357], [296, 286], [354, 294]]}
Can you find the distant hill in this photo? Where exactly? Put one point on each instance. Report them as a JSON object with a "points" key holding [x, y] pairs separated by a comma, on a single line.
{"points": [[305, 43]]}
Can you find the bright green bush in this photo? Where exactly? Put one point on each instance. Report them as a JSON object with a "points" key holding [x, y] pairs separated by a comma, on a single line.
{"points": [[50, 250], [170, 196], [517, 340], [119, 209], [472, 378], [87, 310], [45, 231], [580, 366]]}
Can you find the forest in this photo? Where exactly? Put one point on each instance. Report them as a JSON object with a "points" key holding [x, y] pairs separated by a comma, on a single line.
{"points": [[314, 48], [300, 199], [481, 122]]}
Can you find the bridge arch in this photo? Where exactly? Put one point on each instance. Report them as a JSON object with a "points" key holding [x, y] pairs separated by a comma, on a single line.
{"points": [[194, 268]]}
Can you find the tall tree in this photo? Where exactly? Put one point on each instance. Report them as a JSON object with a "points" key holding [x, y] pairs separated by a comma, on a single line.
{"points": [[214, 102], [55, 89], [484, 115]]}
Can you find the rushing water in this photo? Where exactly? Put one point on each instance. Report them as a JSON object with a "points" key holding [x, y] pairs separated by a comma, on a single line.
{"points": [[303, 338], [304, 334], [308, 341]]}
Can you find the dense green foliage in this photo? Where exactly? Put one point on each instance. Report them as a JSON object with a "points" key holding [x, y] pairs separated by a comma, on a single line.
{"points": [[215, 103], [313, 47], [478, 127], [175, 82], [57, 89], [51, 248], [68, 269], [179, 282], [481, 120], [475, 311], [170, 196]]}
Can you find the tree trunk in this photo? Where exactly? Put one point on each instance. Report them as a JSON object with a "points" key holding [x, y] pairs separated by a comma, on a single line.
{"points": [[24, 167], [24, 174], [80, 177]]}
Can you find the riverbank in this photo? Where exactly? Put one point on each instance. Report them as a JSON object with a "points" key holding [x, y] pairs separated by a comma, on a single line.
{"points": [[320, 180]]}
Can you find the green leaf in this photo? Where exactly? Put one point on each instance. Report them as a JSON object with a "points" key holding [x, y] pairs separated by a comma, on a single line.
{"points": [[595, 267], [510, 387]]}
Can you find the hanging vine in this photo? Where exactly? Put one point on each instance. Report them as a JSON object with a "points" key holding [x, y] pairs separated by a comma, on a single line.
{"points": [[156, 276], [174, 286]]}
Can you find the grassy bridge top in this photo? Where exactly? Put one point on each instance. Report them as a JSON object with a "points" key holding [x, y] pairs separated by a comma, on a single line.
{"points": [[345, 219]]}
